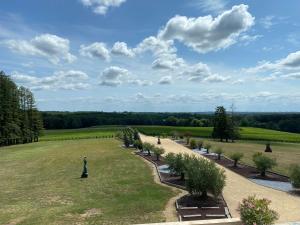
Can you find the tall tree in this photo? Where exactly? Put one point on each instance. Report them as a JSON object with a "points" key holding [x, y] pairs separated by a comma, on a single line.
{"points": [[221, 125]]}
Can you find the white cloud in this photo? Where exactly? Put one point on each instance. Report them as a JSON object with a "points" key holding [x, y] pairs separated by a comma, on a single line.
{"points": [[168, 61], [102, 6], [50, 46], [292, 76], [215, 78], [67, 80], [113, 76], [267, 21], [205, 34], [120, 48], [291, 62], [215, 6], [95, 50], [165, 80], [140, 82]]}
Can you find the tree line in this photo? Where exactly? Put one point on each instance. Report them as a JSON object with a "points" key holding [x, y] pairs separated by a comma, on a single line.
{"points": [[20, 120]]}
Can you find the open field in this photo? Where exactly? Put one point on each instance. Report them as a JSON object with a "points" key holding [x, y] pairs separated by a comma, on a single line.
{"points": [[84, 133], [40, 185], [247, 133], [285, 153]]}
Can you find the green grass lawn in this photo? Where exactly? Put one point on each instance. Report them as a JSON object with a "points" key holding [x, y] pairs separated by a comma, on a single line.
{"points": [[40, 185], [247, 133], [84, 133]]}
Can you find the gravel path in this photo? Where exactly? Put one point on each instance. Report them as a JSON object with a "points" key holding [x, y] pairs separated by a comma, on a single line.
{"points": [[238, 187]]}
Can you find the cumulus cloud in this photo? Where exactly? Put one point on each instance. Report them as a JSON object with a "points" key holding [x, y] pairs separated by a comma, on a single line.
{"points": [[205, 34], [66, 80], [168, 61], [113, 76], [140, 82], [102, 6], [52, 47], [290, 62], [95, 50], [165, 80], [215, 6], [121, 48]]}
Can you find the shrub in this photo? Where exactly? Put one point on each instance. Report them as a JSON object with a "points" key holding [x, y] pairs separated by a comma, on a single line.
{"points": [[138, 145], [176, 164], [136, 135], [158, 152], [187, 135], [236, 157], [148, 147], [200, 144], [219, 151], [257, 211], [295, 176], [204, 176], [193, 144], [207, 147], [126, 141], [263, 163]]}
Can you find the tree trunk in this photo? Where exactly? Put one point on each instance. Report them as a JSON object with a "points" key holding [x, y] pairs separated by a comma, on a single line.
{"points": [[204, 194], [182, 176], [235, 163], [263, 173]]}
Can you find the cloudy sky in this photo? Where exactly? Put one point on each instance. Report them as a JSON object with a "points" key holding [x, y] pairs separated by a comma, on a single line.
{"points": [[154, 55]]}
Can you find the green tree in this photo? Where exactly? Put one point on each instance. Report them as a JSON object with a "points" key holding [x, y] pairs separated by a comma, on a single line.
{"points": [[295, 176], [207, 147], [126, 141], [204, 176], [200, 144], [158, 152], [236, 157], [263, 163], [219, 151], [221, 125], [176, 164], [193, 144], [148, 147]]}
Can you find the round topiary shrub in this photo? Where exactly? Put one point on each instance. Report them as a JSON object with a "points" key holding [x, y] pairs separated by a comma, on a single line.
{"points": [[295, 176]]}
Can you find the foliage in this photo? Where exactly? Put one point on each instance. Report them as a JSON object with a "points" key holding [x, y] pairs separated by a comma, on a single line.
{"points": [[219, 151], [207, 146], [263, 163], [221, 126], [236, 157], [138, 145], [187, 135], [158, 152], [193, 144], [200, 144], [148, 147], [176, 164], [295, 175], [126, 141], [20, 121], [257, 211], [204, 176]]}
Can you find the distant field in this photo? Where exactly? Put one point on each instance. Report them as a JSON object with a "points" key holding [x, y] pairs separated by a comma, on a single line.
{"points": [[40, 185], [247, 133], [84, 133]]}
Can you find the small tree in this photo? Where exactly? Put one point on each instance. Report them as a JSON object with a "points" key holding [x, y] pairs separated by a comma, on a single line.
{"points": [[138, 145], [176, 164], [219, 151], [158, 152], [236, 157], [126, 141], [187, 136], [148, 147], [257, 211], [136, 135], [204, 176], [207, 147], [263, 163], [193, 144], [295, 176], [200, 144]]}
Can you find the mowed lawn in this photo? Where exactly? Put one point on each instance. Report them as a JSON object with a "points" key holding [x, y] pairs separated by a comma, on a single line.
{"points": [[84, 133], [286, 154], [247, 133], [40, 185]]}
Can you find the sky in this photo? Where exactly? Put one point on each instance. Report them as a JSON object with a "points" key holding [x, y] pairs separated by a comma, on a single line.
{"points": [[154, 55]]}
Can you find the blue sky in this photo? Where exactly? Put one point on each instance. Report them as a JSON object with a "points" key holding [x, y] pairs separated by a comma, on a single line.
{"points": [[153, 55]]}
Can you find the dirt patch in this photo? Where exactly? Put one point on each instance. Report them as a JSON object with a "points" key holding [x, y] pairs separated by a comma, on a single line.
{"points": [[16, 221], [91, 212]]}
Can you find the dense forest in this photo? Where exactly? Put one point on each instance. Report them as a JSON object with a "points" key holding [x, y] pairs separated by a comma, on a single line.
{"points": [[289, 122], [20, 121]]}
